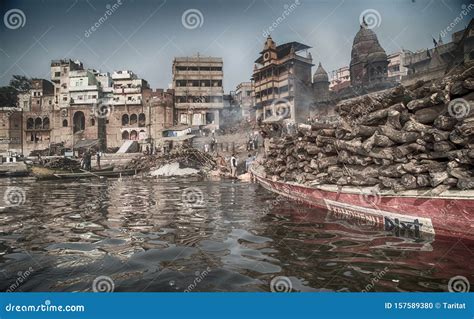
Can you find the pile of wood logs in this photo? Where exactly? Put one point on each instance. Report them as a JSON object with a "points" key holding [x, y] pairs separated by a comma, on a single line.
{"points": [[402, 138], [185, 156]]}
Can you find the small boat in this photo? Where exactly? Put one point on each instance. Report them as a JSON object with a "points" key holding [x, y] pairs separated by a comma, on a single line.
{"points": [[413, 213], [87, 174]]}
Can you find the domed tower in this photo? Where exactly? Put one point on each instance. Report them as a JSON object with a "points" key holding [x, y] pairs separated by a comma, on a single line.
{"points": [[321, 84], [368, 59], [269, 52]]}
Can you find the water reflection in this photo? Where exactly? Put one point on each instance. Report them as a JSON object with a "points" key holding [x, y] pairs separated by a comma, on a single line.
{"points": [[143, 235]]}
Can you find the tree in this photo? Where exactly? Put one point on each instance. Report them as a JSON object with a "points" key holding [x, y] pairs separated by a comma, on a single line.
{"points": [[21, 83], [8, 96]]}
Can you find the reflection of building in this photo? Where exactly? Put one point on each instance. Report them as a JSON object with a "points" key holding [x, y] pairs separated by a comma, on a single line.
{"points": [[282, 82], [434, 63], [244, 95], [197, 82]]}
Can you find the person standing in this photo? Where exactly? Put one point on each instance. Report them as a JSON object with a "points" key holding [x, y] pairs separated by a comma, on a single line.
{"points": [[233, 165], [99, 155]]}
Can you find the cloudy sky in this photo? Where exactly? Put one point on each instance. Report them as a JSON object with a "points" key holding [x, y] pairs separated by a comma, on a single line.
{"points": [[145, 35]]}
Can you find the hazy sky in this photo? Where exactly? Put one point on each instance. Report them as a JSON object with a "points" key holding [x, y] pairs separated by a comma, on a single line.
{"points": [[144, 35]]}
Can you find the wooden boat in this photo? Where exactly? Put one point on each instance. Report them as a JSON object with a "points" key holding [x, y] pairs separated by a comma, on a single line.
{"points": [[413, 213], [87, 174]]}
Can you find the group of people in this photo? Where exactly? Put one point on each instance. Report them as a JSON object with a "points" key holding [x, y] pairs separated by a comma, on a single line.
{"points": [[252, 142], [86, 160], [234, 162], [212, 146]]}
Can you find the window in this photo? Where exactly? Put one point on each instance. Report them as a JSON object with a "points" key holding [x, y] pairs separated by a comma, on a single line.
{"points": [[30, 123], [92, 122], [125, 120], [57, 74], [125, 135], [141, 120], [38, 123], [133, 119], [46, 123], [79, 121]]}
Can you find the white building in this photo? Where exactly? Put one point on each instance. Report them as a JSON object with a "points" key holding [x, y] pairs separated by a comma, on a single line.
{"points": [[127, 88]]}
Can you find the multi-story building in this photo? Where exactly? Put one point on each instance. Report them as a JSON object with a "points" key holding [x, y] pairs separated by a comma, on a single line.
{"points": [[197, 83], [429, 64], [244, 95], [282, 82], [396, 69], [340, 78], [71, 110], [60, 77]]}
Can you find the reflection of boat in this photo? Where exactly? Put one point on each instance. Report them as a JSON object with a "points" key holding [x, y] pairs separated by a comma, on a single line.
{"points": [[413, 214]]}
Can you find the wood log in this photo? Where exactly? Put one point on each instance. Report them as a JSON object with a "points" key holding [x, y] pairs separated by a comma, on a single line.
{"points": [[414, 126], [465, 183], [423, 180], [398, 136], [445, 123], [404, 150], [409, 181], [443, 146], [438, 177], [383, 141], [428, 115], [393, 119]]}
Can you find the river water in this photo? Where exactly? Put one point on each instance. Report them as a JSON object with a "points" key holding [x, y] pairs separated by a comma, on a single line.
{"points": [[194, 235]]}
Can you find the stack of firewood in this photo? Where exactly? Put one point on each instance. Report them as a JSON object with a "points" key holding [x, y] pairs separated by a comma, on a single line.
{"points": [[402, 138]]}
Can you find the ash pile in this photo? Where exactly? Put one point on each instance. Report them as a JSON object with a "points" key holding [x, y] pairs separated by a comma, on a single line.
{"points": [[403, 138]]}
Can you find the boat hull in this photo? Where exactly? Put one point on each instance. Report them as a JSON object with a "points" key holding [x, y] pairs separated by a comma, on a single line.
{"points": [[406, 216]]}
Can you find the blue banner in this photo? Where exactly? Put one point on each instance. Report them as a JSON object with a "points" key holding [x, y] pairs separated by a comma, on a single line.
{"points": [[237, 305]]}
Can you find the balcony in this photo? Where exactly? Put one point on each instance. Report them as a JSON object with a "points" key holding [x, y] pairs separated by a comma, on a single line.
{"points": [[192, 106], [127, 90], [83, 88]]}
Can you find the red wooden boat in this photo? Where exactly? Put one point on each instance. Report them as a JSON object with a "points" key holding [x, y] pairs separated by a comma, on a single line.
{"points": [[414, 213]]}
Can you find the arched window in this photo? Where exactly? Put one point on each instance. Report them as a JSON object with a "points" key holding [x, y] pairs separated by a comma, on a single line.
{"points": [[38, 123], [30, 124], [141, 120], [46, 123], [125, 135], [92, 122], [125, 119], [133, 119], [79, 122], [133, 135], [64, 123]]}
